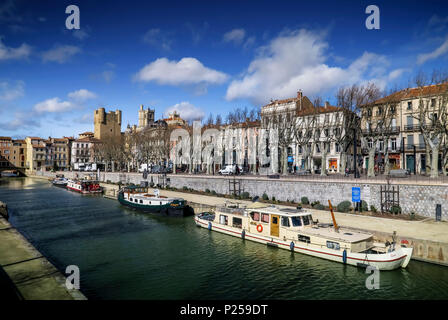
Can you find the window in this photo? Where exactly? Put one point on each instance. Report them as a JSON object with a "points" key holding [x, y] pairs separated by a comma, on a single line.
{"points": [[255, 216], [300, 149], [333, 245], [223, 219], [381, 143], [433, 103], [306, 220], [285, 222], [141, 201], [296, 221], [410, 105], [264, 217], [237, 222], [338, 147], [303, 238], [393, 143], [275, 220]]}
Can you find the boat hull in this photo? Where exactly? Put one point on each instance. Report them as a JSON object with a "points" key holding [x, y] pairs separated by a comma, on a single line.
{"points": [[166, 210], [387, 261], [84, 191]]}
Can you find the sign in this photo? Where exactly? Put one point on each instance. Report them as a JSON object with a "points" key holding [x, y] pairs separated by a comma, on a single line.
{"points": [[290, 159], [356, 194]]}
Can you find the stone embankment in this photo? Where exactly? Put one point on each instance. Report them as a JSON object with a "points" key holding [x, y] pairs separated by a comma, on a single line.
{"points": [[28, 274]]}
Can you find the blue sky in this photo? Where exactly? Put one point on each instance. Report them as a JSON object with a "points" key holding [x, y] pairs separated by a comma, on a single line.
{"points": [[200, 57]]}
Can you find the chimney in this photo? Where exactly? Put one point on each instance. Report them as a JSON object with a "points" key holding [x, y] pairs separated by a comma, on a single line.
{"points": [[141, 107], [299, 94], [327, 104]]}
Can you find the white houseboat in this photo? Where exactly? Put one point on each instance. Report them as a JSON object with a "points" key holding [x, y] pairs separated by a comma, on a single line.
{"points": [[294, 230], [84, 186]]}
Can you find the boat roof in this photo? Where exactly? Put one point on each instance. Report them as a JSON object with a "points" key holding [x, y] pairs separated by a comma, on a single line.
{"points": [[345, 235], [151, 197]]}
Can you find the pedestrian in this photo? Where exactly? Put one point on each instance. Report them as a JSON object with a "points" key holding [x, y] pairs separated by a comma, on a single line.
{"points": [[346, 172]]}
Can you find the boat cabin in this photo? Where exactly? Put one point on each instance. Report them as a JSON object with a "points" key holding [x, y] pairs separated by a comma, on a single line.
{"points": [[291, 224]]}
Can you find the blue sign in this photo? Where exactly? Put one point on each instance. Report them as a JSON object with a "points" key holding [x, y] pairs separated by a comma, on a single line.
{"points": [[356, 194], [290, 159]]}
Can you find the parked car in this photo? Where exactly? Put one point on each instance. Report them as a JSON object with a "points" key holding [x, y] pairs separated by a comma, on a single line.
{"points": [[303, 172], [230, 169]]}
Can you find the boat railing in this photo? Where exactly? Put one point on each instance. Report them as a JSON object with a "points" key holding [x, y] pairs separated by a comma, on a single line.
{"points": [[238, 211]]}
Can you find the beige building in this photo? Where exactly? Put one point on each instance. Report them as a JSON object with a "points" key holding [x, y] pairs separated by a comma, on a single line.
{"points": [[107, 125], [35, 153], [18, 153], [5, 152], [400, 113]]}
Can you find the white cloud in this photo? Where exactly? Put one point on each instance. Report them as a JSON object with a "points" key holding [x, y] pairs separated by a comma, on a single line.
{"points": [[21, 120], [297, 60], [236, 36], [9, 92], [80, 34], [185, 71], [60, 53], [85, 118], [8, 53], [422, 58], [82, 95], [186, 110], [54, 105]]}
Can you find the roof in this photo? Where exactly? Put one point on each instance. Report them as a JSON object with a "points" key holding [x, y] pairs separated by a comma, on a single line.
{"points": [[412, 93], [5, 138], [88, 139]]}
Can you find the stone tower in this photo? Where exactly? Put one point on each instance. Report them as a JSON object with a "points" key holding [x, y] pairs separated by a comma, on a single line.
{"points": [[107, 125], [145, 117]]}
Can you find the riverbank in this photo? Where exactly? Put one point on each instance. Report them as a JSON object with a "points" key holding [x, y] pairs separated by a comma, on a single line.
{"points": [[31, 275]]}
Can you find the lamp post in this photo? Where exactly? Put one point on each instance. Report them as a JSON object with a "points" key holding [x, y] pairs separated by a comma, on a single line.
{"points": [[355, 158]]}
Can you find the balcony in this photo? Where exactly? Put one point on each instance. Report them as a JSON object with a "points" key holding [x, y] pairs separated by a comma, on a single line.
{"points": [[411, 127], [418, 146], [390, 130]]}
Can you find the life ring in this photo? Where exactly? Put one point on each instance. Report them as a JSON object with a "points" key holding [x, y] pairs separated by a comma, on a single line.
{"points": [[260, 228]]}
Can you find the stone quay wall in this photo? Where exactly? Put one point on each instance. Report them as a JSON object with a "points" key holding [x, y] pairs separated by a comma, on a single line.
{"points": [[420, 199]]}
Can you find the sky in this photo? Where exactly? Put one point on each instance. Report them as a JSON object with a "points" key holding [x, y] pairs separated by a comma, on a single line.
{"points": [[200, 57]]}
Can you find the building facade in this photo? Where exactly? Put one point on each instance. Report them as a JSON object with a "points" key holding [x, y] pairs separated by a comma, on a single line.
{"points": [[107, 125]]}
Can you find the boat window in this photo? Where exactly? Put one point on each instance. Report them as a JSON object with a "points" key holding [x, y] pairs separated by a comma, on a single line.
{"points": [[296, 221], [265, 217], [131, 199], [223, 219], [135, 200], [141, 201], [306, 220], [333, 245], [285, 222], [255, 216], [304, 238], [274, 220], [237, 222]]}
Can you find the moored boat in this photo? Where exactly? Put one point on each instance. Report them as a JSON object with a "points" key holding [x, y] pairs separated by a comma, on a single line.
{"points": [[138, 198], [10, 173], [60, 181], [294, 230], [84, 186]]}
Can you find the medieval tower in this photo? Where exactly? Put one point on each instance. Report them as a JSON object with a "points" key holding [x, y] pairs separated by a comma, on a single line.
{"points": [[107, 125], [145, 117]]}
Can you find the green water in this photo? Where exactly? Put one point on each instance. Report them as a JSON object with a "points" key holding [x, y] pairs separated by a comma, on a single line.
{"points": [[124, 254]]}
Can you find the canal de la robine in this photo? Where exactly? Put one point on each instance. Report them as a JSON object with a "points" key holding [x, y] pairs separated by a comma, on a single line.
{"points": [[123, 254]]}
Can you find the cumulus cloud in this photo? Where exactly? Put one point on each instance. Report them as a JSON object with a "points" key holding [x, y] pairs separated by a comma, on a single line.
{"points": [[8, 53], [10, 92], [185, 71], [60, 54], [236, 36], [54, 105], [443, 49], [186, 110], [297, 60], [82, 95]]}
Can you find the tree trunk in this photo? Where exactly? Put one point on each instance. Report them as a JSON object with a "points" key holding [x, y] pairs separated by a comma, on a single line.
{"points": [[285, 160], [371, 169], [323, 165], [342, 162], [434, 162], [427, 160], [386, 163]]}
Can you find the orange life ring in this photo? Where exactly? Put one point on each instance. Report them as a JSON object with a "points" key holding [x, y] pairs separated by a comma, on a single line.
{"points": [[260, 228]]}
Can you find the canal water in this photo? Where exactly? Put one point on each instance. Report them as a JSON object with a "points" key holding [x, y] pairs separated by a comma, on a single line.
{"points": [[124, 254]]}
